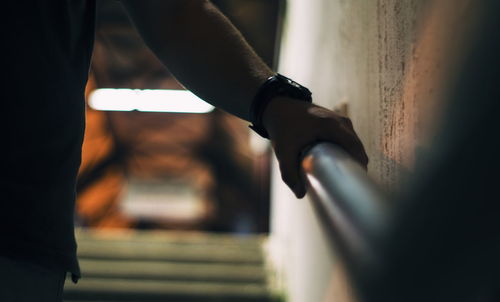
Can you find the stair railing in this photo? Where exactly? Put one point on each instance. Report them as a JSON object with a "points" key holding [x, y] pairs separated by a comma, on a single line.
{"points": [[351, 207]]}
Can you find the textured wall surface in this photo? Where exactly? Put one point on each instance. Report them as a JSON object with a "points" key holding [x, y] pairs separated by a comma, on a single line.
{"points": [[387, 60], [359, 52]]}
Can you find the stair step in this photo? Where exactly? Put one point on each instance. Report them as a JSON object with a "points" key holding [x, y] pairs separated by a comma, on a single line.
{"points": [[154, 266], [166, 252], [178, 238], [169, 246], [156, 270], [101, 289]]}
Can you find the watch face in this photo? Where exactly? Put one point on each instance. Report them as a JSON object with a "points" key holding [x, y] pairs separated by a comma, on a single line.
{"points": [[304, 92], [295, 84]]}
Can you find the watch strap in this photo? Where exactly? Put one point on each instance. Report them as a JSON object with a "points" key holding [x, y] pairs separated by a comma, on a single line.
{"points": [[277, 85]]}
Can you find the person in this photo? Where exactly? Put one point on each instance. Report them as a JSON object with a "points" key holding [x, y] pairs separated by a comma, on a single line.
{"points": [[47, 51]]}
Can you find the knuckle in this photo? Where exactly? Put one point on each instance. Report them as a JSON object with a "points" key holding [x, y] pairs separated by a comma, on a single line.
{"points": [[346, 120]]}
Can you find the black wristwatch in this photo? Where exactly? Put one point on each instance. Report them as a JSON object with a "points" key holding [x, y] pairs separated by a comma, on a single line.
{"points": [[277, 85]]}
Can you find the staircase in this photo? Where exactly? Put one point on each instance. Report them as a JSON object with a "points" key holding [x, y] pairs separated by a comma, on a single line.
{"points": [[144, 266]]}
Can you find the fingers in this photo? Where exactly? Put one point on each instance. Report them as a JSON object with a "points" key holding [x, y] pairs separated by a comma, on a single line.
{"points": [[289, 138], [355, 148], [342, 133], [289, 164]]}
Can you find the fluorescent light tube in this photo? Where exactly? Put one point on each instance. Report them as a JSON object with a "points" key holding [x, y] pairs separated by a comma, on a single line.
{"points": [[147, 100]]}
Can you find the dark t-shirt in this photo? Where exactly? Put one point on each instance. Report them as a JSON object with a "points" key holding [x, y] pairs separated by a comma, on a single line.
{"points": [[47, 47]]}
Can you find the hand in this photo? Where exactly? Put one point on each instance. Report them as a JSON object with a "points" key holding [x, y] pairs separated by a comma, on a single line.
{"points": [[294, 125]]}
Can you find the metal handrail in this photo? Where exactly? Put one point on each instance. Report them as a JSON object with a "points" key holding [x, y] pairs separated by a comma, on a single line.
{"points": [[352, 208]]}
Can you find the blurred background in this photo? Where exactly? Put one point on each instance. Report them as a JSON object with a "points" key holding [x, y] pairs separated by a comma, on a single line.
{"points": [[158, 168], [386, 63], [172, 194]]}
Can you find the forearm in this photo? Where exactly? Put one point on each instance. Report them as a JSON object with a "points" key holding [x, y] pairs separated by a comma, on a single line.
{"points": [[210, 57], [203, 50]]}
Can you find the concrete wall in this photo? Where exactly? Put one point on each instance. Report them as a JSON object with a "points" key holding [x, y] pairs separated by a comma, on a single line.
{"points": [[386, 63], [358, 52]]}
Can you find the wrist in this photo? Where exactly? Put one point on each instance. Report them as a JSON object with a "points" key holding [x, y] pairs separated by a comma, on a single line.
{"points": [[278, 109], [276, 92]]}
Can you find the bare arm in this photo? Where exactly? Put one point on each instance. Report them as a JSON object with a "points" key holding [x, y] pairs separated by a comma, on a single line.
{"points": [[202, 49], [209, 56]]}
